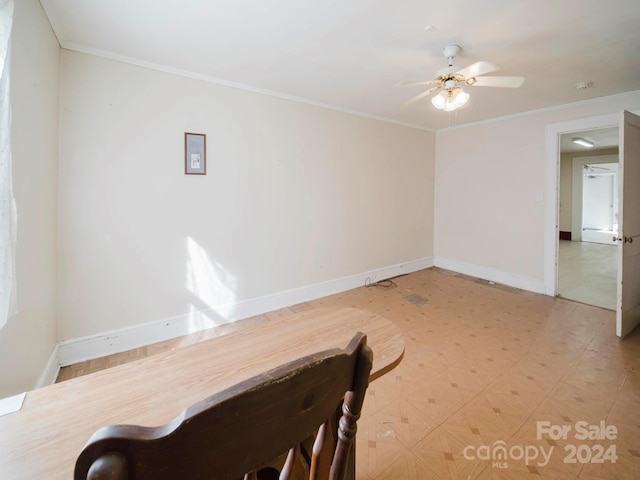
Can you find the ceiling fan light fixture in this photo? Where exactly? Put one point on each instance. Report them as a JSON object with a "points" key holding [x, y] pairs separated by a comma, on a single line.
{"points": [[450, 80], [583, 142], [439, 100], [461, 98], [450, 106], [450, 99]]}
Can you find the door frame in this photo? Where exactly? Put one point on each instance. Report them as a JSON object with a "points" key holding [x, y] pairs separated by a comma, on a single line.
{"points": [[552, 187]]}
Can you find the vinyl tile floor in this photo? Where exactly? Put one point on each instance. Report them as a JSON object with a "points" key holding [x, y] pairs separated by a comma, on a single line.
{"points": [[587, 272], [496, 383]]}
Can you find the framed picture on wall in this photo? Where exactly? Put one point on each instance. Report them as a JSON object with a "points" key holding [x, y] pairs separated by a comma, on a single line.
{"points": [[195, 154]]}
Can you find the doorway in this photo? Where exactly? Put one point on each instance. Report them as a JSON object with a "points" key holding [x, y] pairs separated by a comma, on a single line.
{"points": [[628, 259], [588, 194], [600, 203], [589, 199]]}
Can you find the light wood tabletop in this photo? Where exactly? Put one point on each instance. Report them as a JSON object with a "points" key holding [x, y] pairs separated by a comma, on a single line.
{"points": [[44, 438]]}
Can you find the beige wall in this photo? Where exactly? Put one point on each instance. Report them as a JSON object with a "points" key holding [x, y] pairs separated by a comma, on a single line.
{"points": [[28, 339], [294, 195], [566, 182], [490, 187]]}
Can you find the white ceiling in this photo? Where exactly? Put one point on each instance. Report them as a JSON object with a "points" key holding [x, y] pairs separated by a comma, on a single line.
{"points": [[601, 138], [349, 54]]}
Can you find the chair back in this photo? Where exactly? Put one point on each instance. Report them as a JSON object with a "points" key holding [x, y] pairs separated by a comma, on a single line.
{"points": [[237, 432]]}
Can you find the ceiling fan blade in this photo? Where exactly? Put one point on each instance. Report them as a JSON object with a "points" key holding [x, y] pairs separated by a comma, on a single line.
{"points": [[421, 95], [415, 84], [507, 82], [478, 68]]}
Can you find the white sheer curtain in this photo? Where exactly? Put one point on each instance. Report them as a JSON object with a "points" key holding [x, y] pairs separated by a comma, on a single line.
{"points": [[8, 215]]}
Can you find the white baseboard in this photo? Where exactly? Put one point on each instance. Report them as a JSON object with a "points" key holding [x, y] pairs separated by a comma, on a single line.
{"points": [[116, 341], [491, 274], [51, 370]]}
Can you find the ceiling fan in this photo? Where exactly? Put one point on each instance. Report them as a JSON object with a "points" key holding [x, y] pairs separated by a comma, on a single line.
{"points": [[451, 79]]}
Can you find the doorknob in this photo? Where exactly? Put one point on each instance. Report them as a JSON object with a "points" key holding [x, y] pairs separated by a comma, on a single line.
{"points": [[626, 239]]}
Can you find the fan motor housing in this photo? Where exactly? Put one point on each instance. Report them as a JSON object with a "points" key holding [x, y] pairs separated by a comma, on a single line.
{"points": [[446, 71]]}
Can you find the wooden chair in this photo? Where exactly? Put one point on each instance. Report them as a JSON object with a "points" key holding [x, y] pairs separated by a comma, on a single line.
{"points": [[235, 433]]}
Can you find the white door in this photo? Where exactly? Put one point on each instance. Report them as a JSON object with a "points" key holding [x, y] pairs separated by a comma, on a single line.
{"points": [[628, 308]]}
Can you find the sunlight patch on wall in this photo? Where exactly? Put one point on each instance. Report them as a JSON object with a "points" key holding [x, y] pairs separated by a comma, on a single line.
{"points": [[211, 283]]}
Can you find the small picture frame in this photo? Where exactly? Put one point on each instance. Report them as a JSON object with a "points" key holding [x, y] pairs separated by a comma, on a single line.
{"points": [[195, 154]]}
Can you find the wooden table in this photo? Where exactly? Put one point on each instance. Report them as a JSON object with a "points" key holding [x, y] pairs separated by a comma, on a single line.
{"points": [[43, 439]]}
